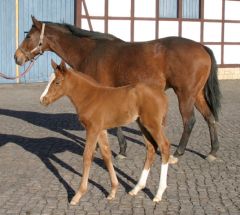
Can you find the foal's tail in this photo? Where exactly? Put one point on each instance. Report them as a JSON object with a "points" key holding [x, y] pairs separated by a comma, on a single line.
{"points": [[211, 89]]}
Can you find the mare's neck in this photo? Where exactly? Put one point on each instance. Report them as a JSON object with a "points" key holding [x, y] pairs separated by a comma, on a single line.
{"points": [[70, 48]]}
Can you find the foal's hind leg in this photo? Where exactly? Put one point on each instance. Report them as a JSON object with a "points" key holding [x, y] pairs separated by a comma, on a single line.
{"points": [[162, 142], [186, 106], [203, 108], [151, 151], [106, 153]]}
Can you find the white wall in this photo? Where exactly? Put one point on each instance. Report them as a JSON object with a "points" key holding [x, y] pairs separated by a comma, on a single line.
{"points": [[145, 29]]}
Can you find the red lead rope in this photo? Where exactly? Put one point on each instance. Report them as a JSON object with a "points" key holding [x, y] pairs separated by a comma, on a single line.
{"points": [[2, 75]]}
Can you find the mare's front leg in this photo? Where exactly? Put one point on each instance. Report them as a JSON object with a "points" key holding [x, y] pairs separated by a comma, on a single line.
{"points": [[122, 144], [107, 155], [92, 136]]}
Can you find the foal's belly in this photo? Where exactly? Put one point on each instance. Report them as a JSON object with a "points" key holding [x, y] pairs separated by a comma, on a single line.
{"points": [[120, 115], [120, 122]]}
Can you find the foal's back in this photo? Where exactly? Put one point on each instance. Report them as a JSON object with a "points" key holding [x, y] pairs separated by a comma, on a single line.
{"points": [[114, 106]]}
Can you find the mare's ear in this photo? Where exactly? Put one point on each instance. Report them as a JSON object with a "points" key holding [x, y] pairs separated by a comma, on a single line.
{"points": [[54, 65], [36, 23], [63, 67]]}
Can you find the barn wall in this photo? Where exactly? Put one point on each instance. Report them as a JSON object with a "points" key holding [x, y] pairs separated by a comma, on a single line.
{"points": [[55, 11], [7, 38]]}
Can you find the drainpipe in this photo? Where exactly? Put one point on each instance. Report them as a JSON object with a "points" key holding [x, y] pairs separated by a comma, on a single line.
{"points": [[17, 35]]}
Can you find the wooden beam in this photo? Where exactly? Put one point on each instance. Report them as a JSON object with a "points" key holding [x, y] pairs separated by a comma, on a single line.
{"points": [[77, 12]]}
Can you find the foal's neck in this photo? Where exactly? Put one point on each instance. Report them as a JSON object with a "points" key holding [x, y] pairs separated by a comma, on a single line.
{"points": [[81, 89]]}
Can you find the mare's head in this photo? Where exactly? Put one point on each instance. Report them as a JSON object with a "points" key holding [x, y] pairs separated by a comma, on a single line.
{"points": [[33, 44], [42, 37], [57, 85]]}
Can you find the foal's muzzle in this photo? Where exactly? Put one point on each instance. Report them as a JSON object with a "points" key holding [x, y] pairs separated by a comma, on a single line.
{"points": [[44, 101]]}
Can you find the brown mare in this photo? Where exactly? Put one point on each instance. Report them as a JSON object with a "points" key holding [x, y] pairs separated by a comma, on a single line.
{"points": [[184, 65], [100, 108]]}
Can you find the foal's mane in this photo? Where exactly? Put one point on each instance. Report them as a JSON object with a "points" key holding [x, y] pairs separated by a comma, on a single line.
{"points": [[75, 31], [87, 78]]}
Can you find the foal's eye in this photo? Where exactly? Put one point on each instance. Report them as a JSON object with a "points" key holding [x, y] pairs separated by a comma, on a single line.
{"points": [[28, 36], [57, 82]]}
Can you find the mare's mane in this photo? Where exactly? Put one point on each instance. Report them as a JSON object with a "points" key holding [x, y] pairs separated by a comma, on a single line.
{"points": [[75, 31]]}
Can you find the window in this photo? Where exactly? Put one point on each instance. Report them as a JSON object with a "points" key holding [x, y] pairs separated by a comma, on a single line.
{"points": [[191, 9], [232, 10], [169, 9], [213, 9]]}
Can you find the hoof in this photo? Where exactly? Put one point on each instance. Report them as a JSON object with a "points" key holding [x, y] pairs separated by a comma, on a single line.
{"points": [[172, 159], [132, 193], [75, 200], [120, 157], [211, 158], [73, 203], [157, 199], [111, 197], [177, 154]]}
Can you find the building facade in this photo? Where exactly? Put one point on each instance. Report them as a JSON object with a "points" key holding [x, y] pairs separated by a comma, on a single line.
{"points": [[214, 23]]}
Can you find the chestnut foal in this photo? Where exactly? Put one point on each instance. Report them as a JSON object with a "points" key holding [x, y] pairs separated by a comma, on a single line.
{"points": [[100, 108]]}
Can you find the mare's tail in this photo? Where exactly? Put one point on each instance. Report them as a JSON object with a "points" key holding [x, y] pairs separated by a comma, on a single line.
{"points": [[211, 89]]}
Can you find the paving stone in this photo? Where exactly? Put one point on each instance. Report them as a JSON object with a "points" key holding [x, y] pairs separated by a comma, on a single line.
{"points": [[41, 161]]}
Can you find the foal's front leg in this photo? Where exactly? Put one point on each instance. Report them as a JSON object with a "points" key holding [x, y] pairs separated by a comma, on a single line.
{"points": [[107, 157], [90, 146]]}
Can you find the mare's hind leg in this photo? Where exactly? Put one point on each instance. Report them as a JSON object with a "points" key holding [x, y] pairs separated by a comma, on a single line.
{"points": [[186, 106], [203, 108], [151, 152], [122, 144], [106, 154]]}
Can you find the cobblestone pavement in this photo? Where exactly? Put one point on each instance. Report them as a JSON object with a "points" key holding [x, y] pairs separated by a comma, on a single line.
{"points": [[41, 161]]}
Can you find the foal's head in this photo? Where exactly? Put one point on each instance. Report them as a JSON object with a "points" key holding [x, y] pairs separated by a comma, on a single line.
{"points": [[57, 85]]}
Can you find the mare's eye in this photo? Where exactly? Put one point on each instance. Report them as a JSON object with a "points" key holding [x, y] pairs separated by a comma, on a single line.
{"points": [[28, 36]]}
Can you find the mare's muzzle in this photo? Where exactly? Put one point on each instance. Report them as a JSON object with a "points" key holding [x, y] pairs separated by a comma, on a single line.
{"points": [[20, 58]]}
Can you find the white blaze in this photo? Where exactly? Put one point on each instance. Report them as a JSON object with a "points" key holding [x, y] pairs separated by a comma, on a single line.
{"points": [[51, 79]]}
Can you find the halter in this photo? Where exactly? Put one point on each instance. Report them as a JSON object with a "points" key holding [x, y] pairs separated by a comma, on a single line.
{"points": [[38, 47], [28, 55]]}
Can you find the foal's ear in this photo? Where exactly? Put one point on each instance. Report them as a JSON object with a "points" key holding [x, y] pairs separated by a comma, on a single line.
{"points": [[63, 66], [54, 65], [36, 23]]}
